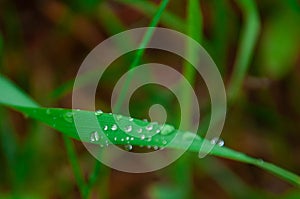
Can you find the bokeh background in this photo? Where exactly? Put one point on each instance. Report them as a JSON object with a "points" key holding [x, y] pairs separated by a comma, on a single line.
{"points": [[43, 43]]}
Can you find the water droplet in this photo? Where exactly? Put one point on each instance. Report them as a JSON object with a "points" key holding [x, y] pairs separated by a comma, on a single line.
{"points": [[94, 137], [221, 142], [217, 141], [122, 139], [99, 112], [214, 140], [118, 117], [155, 148], [105, 128], [127, 138], [260, 161], [143, 137], [130, 119], [128, 129], [145, 120], [68, 116], [115, 138], [164, 142], [132, 138], [157, 131], [140, 130], [114, 127], [149, 127], [167, 129], [128, 147]]}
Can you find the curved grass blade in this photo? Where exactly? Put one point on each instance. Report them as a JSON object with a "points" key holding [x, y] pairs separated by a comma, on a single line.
{"points": [[55, 117], [246, 47], [14, 97], [194, 30], [141, 50], [148, 8], [183, 178]]}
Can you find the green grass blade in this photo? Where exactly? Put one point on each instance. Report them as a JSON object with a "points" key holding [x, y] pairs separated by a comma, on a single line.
{"points": [[109, 20], [75, 166], [148, 8], [55, 117], [194, 30], [9, 146], [220, 34], [183, 177], [141, 51], [13, 96], [246, 47]]}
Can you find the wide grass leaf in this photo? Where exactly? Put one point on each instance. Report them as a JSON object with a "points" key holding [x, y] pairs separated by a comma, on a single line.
{"points": [[62, 120]]}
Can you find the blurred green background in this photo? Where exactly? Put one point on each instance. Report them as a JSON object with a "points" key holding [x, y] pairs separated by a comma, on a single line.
{"points": [[43, 43]]}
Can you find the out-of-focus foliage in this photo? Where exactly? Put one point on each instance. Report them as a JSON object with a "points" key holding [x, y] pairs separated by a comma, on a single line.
{"points": [[43, 43]]}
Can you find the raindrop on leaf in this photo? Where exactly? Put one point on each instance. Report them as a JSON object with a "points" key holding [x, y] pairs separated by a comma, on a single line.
{"points": [[128, 129], [99, 112], [217, 141], [94, 136], [114, 127], [128, 147]]}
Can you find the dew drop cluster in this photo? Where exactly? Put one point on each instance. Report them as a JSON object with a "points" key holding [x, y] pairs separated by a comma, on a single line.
{"points": [[217, 141], [129, 133]]}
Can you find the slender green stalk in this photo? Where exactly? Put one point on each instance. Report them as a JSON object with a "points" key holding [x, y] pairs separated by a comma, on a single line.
{"points": [[148, 8], [99, 172], [248, 40], [140, 52], [109, 20], [220, 34], [93, 176], [194, 30], [75, 166], [8, 143]]}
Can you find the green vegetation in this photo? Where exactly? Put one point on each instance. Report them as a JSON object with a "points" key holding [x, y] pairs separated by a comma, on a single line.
{"points": [[255, 48]]}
